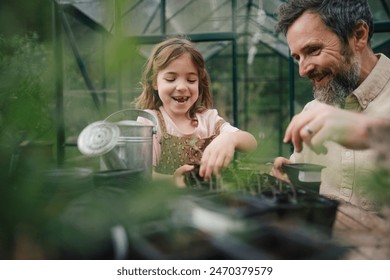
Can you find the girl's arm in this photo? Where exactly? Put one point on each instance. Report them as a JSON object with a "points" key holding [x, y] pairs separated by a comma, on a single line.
{"points": [[244, 141]]}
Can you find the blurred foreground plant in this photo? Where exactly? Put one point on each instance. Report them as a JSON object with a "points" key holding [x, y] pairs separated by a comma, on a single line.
{"points": [[26, 109], [379, 182], [26, 86]]}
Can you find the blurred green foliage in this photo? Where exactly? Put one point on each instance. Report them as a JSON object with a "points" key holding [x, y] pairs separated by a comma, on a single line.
{"points": [[27, 134], [26, 86], [24, 16]]}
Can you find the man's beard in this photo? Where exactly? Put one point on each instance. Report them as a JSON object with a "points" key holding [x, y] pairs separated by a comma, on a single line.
{"points": [[343, 83]]}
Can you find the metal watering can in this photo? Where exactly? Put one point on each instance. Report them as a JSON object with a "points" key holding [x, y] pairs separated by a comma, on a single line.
{"points": [[122, 142]]}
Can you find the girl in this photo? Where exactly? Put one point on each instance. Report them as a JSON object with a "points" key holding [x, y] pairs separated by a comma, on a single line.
{"points": [[176, 91]]}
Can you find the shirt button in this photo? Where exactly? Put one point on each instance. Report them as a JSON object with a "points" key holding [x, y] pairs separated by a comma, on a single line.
{"points": [[348, 154]]}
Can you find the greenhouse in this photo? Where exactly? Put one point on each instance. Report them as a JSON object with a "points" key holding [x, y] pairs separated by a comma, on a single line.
{"points": [[101, 200], [254, 83]]}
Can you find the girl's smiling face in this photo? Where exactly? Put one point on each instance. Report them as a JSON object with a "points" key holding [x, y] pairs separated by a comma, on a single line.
{"points": [[178, 86]]}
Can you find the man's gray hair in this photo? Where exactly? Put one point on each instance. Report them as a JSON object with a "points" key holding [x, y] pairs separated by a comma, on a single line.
{"points": [[340, 16]]}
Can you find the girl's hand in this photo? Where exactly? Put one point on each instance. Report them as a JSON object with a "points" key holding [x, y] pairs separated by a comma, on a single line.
{"points": [[178, 176], [217, 155]]}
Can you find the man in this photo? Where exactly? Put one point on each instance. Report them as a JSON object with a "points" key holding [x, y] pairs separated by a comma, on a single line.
{"points": [[330, 40]]}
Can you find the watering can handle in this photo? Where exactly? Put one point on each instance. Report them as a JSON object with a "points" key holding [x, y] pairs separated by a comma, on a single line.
{"points": [[140, 113], [150, 117]]}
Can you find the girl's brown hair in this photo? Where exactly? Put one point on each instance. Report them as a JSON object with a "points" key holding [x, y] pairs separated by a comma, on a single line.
{"points": [[162, 55]]}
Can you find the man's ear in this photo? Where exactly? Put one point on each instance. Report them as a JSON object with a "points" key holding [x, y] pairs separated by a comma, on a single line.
{"points": [[360, 35]]}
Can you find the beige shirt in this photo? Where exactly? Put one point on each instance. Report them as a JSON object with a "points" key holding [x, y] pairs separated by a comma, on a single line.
{"points": [[343, 177]]}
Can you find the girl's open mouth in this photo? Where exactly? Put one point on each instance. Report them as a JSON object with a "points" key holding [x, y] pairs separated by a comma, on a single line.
{"points": [[181, 99]]}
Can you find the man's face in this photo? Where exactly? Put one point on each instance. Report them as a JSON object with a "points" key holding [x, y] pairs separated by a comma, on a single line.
{"points": [[333, 68]]}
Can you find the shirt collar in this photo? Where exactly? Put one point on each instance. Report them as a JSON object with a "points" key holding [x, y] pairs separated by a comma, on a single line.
{"points": [[374, 83]]}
